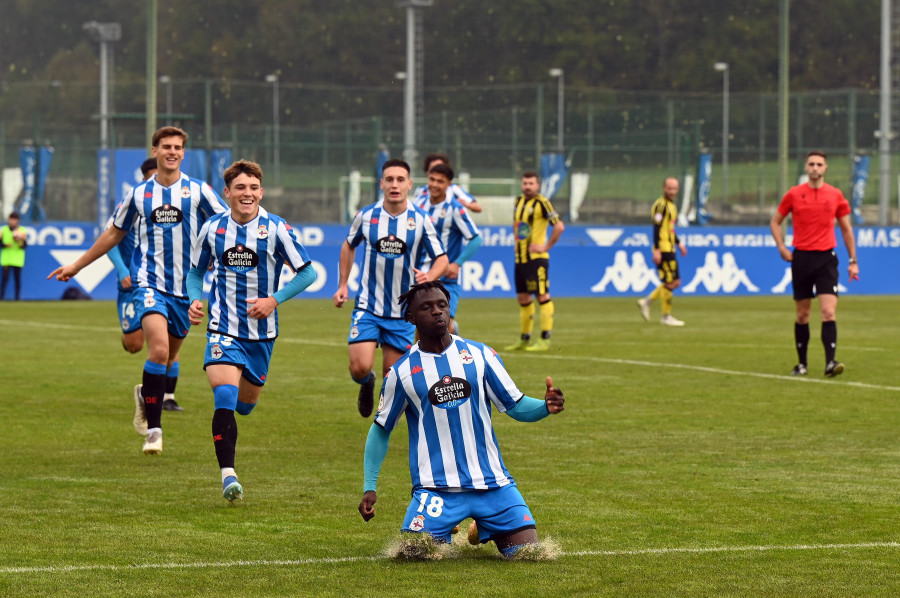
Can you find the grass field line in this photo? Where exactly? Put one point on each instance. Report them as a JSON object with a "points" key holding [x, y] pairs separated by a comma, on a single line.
{"points": [[356, 559], [711, 370]]}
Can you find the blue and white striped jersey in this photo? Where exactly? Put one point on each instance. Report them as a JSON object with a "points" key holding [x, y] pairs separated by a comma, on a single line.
{"points": [[125, 246], [447, 400], [248, 261], [453, 225], [166, 220], [394, 245], [454, 191]]}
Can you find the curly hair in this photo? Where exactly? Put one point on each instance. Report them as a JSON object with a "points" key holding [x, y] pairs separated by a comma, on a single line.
{"points": [[406, 299]]}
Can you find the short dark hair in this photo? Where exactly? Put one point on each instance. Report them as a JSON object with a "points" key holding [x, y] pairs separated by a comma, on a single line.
{"points": [[443, 169], [395, 162], [242, 167], [406, 299], [148, 165], [426, 164], [817, 153], [14, 215], [169, 132], [530, 174]]}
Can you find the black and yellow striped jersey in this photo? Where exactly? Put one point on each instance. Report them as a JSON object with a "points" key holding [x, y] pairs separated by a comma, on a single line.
{"points": [[531, 219], [664, 213]]}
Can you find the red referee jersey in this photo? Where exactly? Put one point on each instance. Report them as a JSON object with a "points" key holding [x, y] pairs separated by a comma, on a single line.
{"points": [[814, 213]]}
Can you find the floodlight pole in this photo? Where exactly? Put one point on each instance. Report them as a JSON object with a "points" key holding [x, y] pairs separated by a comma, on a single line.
{"points": [[722, 67], [104, 33], [276, 134], [560, 106]]}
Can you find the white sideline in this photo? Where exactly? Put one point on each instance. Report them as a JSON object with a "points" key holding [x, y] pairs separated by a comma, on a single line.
{"points": [[653, 364], [709, 370], [354, 559]]}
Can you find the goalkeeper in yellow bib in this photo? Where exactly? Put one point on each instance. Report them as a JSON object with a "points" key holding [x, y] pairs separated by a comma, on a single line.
{"points": [[534, 214], [664, 213]]}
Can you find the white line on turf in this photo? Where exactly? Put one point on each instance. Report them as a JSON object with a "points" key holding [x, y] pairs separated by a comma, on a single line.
{"points": [[652, 364], [701, 368], [356, 559]]}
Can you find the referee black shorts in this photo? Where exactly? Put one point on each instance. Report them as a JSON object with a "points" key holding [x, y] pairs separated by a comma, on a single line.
{"points": [[814, 273]]}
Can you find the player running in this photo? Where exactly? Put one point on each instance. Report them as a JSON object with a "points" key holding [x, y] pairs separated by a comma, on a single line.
{"points": [[248, 247]]}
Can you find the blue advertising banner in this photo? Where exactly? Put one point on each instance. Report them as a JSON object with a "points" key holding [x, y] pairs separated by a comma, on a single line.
{"points": [[860, 178], [587, 262], [28, 162], [704, 179], [554, 170]]}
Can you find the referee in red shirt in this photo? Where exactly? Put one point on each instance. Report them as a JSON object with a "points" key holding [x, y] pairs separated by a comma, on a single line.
{"points": [[814, 264]]}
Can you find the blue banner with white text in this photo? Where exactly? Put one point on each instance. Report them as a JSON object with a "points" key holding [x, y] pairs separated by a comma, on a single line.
{"points": [[588, 261]]}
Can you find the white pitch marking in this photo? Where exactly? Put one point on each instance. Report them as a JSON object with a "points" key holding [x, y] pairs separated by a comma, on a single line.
{"points": [[356, 559], [701, 368]]}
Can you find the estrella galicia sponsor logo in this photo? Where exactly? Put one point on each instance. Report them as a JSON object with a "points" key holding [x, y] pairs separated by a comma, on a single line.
{"points": [[240, 259], [391, 246], [449, 392], [166, 216]]}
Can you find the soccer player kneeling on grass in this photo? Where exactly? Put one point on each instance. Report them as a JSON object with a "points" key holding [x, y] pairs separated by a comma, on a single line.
{"points": [[446, 386], [248, 247]]}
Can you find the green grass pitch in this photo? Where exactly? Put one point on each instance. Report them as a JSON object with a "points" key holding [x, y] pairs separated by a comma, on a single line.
{"points": [[687, 461]]}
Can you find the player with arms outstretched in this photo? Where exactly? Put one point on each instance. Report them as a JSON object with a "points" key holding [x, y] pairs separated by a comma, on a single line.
{"points": [[447, 386], [167, 212]]}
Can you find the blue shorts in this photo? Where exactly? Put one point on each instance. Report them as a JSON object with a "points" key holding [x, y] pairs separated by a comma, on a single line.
{"points": [[453, 289], [173, 309], [251, 356], [498, 512], [366, 327], [130, 311]]}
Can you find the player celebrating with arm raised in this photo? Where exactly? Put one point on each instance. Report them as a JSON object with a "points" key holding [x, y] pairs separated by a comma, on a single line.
{"points": [[248, 246], [167, 211], [446, 386], [398, 239]]}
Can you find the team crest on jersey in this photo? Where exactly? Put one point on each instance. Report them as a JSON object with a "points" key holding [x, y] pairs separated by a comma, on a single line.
{"points": [[149, 301], [262, 232], [418, 523], [166, 216], [522, 230], [466, 357], [239, 259], [185, 192], [390, 246], [125, 324], [443, 213], [449, 392], [354, 332], [411, 224], [216, 351]]}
